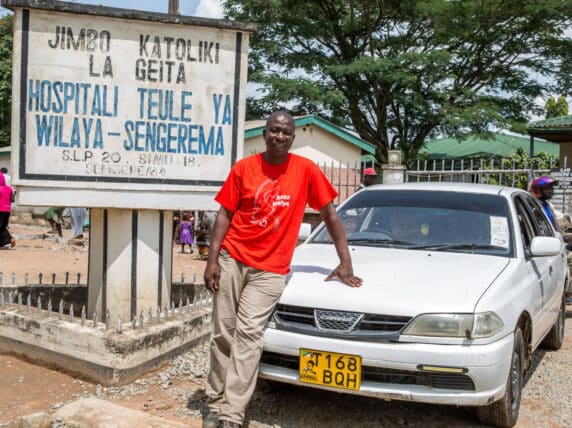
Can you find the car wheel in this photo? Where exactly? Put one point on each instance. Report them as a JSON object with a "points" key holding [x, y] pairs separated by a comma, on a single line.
{"points": [[555, 337], [504, 412]]}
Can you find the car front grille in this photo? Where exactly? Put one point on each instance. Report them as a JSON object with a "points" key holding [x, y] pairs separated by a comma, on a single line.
{"points": [[452, 381], [349, 325]]}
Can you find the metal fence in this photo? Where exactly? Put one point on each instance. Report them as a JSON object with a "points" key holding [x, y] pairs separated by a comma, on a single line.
{"points": [[346, 176]]}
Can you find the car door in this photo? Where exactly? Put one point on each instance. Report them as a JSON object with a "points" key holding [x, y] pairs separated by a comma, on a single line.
{"points": [[547, 269]]}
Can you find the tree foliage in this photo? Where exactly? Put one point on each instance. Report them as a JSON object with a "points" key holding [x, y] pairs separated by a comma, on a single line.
{"points": [[520, 160], [411, 68], [556, 107], [6, 24]]}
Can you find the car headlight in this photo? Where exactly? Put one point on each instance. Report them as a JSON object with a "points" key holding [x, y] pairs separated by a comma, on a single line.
{"points": [[471, 326]]}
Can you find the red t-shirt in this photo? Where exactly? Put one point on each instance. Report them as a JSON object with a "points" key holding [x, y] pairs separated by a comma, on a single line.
{"points": [[268, 202]]}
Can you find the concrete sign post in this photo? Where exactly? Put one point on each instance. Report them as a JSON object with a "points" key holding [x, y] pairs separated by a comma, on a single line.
{"points": [[132, 114]]}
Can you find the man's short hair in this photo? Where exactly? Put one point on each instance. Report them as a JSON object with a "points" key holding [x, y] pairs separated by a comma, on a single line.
{"points": [[3, 170]]}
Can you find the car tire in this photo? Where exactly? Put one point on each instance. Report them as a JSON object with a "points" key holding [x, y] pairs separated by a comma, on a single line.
{"points": [[555, 337], [504, 412]]}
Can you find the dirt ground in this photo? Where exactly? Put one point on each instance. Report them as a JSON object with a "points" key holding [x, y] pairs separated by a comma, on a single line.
{"points": [[26, 388], [38, 252]]}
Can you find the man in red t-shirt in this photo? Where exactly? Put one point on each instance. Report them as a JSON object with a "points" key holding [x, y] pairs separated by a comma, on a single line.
{"points": [[254, 236]]}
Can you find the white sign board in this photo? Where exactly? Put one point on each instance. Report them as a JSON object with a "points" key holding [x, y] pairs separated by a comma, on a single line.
{"points": [[123, 112]]}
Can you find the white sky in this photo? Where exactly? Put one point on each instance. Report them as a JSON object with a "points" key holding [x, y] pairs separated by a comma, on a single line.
{"points": [[203, 8]]}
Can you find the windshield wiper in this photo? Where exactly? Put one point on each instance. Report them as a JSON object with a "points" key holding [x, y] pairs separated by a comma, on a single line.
{"points": [[380, 241], [460, 247]]}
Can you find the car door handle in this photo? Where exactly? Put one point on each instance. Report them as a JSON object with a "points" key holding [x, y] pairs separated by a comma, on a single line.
{"points": [[550, 270]]}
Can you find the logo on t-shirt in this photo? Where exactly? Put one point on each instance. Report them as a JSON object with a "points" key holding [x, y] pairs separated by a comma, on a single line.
{"points": [[266, 202]]}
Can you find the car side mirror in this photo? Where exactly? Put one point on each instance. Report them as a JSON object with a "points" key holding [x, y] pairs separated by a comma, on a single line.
{"points": [[304, 232], [542, 246]]}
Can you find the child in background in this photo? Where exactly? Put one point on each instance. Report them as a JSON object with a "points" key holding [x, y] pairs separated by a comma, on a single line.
{"points": [[186, 231]]}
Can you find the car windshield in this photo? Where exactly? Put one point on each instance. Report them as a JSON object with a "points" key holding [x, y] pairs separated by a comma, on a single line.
{"points": [[426, 220]]}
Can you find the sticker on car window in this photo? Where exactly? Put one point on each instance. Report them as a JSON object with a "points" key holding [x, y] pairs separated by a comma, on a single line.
{"points": [[499, 231]]}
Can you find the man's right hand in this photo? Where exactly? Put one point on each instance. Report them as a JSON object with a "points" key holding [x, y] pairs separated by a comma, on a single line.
{"points": [[212, 276]]}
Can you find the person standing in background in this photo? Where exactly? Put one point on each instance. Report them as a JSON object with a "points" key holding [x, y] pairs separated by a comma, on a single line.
{"points": [[7, 177], [77, 221], [6, 199], [186, 225], [369, 178]]}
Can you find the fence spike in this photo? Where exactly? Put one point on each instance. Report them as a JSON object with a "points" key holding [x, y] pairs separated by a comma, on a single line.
{"points": [[83, 315], [141, 319], [53, 279], [10, 298], [49, 308], [182, 278], [61, 309], [67, 280], [158, 314], [28, 303], [39, 305], [78, 278], [13, 278], [26, 278], [19, 301], [40, 277], [71, 312]]}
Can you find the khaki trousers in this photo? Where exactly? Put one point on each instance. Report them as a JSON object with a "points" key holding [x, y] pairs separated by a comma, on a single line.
{"points": [[241, 308]]}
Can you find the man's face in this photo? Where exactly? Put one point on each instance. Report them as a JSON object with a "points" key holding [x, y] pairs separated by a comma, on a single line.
{"points": [[368, 180], [547, 192], [279, 134]]}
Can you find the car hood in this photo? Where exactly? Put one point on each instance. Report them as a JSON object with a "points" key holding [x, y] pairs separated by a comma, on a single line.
{"points": [[395, 281]]}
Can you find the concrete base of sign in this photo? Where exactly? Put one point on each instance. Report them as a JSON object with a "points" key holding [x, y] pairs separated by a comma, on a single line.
{"points": [[130, 261], [101, 355], [392, 174]]}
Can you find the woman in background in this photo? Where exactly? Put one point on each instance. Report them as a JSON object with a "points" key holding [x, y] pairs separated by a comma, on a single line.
{"points": [[6, 199]]}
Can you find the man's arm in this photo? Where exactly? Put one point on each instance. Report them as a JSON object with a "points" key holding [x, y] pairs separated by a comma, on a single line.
{"points": [[344, 271], [220, 227]]}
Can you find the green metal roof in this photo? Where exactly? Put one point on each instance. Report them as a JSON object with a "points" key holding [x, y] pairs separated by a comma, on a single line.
{"points": [[557, 129], [254, 129], [554, 123], [498, 145]]}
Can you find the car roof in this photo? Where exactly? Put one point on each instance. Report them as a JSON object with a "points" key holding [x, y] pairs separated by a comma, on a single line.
{"points": [[448, 187]]}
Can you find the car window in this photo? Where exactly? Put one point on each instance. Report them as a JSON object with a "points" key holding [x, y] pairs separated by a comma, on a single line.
{"points": [[412, 219], [527, 230], [541, 222]]}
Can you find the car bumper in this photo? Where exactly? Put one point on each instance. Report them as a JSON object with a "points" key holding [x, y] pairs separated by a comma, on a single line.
{"points": [[486, 365]]}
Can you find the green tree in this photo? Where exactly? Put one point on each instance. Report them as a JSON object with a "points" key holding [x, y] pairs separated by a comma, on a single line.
{"points": [[413, 68], [6, 24], [556, 107]]}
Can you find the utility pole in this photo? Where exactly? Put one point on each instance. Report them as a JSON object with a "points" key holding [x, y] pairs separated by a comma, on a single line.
{"points": [[174, 7]]}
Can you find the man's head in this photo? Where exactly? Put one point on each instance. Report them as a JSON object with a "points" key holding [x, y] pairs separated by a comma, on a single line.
{"points": [[4, 170], [542, 187], [369, 176], [278, 136]]}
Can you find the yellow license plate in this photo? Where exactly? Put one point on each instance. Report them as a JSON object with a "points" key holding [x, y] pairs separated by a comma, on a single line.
{"points": [[330, 369]]}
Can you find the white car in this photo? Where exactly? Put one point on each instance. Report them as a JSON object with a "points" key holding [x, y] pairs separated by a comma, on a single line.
{"points": [[461, 283]]}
